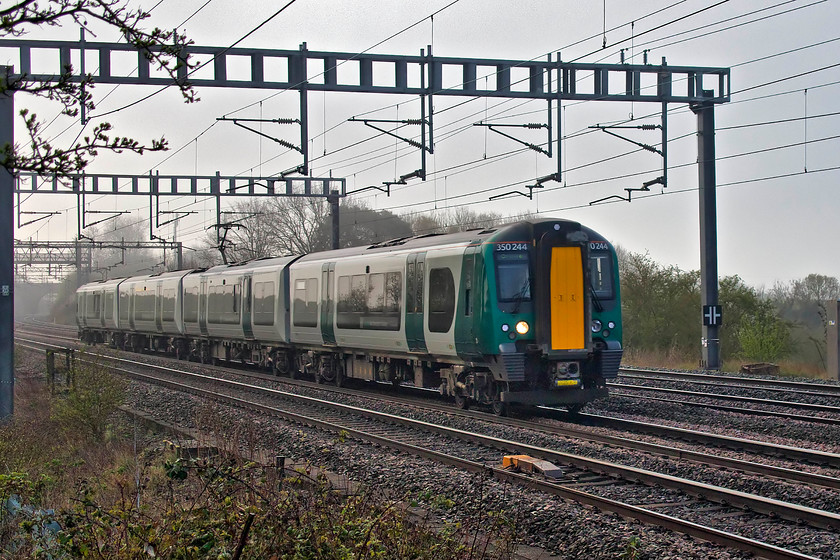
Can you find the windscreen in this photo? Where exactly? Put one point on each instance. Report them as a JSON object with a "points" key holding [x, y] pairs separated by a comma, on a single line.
{"points": [[513, 275], [601, 274]]}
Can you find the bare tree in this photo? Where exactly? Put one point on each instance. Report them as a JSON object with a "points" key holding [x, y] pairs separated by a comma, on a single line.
{"points": [[295, 222], [360, 225], [160, 47], [461, 219], [255, 238]]}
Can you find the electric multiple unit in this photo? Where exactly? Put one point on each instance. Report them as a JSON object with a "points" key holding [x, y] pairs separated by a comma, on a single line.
{"points": [[526, 313]]}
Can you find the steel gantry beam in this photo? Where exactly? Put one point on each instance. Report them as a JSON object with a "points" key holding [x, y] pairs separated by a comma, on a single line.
{"points": [[303, 70], [377, 73], [78, 254]]}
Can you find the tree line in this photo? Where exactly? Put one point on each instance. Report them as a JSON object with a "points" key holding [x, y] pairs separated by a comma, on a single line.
{"points": [[661, 308]]}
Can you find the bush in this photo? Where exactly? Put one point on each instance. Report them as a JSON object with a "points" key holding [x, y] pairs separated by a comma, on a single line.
{"points": [[764, 337]]}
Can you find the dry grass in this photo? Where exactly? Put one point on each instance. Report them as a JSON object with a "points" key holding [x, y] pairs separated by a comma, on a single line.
{"points": [[677, 360], [672, 359], [800, 369]]}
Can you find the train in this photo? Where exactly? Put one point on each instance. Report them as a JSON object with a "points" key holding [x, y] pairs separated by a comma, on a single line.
{"points": [[527, 313]]}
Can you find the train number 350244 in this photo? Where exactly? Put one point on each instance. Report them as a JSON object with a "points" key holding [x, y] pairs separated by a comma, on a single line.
{"points": [[511, 246]]}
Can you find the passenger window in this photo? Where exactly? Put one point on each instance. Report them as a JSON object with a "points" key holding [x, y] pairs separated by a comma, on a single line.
{"points": [[376, 293], [305, 309], [191, 305], [264, 303], [441, 299]]}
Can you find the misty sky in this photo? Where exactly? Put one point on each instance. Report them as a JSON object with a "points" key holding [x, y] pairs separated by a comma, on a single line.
{"points": [[775, 220]]}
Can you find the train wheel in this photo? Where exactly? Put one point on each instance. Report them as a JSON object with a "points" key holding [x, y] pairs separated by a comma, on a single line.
{"points": [[500, 408], [462, 401], [575, 408], [497, 405], [339, 376], [282, 364]]}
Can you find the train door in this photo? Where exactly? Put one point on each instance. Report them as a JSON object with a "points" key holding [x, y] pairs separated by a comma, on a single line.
{"points": [[202, 307], [567, 299], [131, 307], [328, 302], [466, 333], [159, 307], [414, 296], [247, 325]]}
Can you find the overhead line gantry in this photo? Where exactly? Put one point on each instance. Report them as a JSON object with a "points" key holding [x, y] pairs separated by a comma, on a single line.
{"points": [[551, 80]]}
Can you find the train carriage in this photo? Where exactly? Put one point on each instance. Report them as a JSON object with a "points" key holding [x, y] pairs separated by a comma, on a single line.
{"points": [[239, 310], [96, 309]]}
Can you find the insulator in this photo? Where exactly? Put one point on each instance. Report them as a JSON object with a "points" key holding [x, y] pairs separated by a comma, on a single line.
{"points": [[413, 121], [534, 125], [649, 126], [286, 121]]}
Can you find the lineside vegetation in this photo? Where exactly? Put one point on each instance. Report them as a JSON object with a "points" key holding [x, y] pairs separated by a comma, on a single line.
{"points": [[79, 482]]}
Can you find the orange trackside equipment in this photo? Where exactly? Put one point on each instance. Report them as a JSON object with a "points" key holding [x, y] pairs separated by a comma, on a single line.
{"points": [[526, 463], [567, 299]]}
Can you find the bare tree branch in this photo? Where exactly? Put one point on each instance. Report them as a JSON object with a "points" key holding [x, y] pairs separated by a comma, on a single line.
{"points": [[162, 48]]}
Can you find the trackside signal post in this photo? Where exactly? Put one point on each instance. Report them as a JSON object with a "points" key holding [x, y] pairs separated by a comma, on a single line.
{"points": [[552, 81], [712, 314]]}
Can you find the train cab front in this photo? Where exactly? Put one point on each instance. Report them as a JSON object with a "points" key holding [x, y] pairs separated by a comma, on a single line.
{"points": [[558, 303]]}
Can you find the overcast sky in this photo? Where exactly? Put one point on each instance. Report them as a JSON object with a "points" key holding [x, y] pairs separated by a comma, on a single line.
{"points": [[775, 221]]}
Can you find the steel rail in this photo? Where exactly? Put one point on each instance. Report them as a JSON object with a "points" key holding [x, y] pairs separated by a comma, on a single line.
{"points": [[767, 506], [737, 410], [707, 459], [736, 398], [729, 379], [787, 391], [811, 455], [761, 549], [44, 335]]}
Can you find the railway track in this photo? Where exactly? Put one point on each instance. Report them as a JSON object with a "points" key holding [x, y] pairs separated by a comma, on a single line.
{"points": [[409, 432], [800, 401], [789, 453], [805, 387], [735, 409]]}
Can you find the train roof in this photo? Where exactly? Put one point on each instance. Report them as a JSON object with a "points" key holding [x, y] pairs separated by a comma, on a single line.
{"points": [[265, 262], [99, 284], [424, 241]]}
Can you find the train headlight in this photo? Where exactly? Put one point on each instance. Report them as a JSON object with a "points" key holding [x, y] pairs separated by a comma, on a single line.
{"points": [[522, 327], [505, 327], [596, 325], [611, 325]]}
